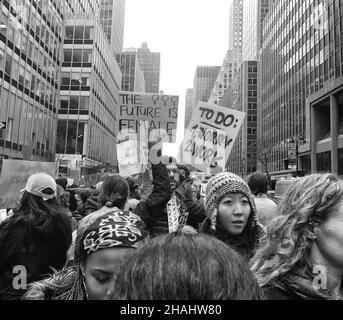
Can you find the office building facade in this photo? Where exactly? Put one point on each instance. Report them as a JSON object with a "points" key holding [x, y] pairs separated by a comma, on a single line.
{"points": [[90, 84], [224, 79], [204, 79], [133, 76], [302, 91], [31, 36], [254, 12], [112, 15], [150, 65], [188, 107], [236, 32], [243, 158]]}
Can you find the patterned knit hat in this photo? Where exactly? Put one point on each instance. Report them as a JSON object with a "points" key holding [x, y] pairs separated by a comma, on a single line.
{"points": [[219, 187]]}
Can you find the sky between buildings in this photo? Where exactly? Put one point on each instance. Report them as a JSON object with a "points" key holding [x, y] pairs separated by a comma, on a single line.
{"points": [[187, 33]]}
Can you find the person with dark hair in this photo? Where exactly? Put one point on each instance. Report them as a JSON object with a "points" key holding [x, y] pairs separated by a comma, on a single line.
{"points": [[300, 257], [266, 208], [72, 199], [171, 192], [134, 196], [231, 213], [103, 240], [36, 237], [62, 199], [114, 192], [180, 266], [81, 198], [63, 182], [133, 186]]}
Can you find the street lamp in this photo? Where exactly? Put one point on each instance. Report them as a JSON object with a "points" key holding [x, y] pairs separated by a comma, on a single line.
{"points": [[297, 140]]}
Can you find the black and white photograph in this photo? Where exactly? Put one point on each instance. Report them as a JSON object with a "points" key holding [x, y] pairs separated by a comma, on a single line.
{"points": [[170, 155]]}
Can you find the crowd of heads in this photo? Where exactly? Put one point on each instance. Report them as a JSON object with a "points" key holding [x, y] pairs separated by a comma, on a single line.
{"points": [[109, 254]]}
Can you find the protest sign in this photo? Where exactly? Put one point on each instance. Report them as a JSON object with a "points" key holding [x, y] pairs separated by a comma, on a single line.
{"points": [[132, 157], [210, 137], [176, 219], [203, 189], [14, 175], [159, 110], [3, 215]]}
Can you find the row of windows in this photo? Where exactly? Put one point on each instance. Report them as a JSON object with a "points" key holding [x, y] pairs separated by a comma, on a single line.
{"points": [[79, 32], [70, 137], [29, 79], [77, 55], [313, 57], [28, 125]]}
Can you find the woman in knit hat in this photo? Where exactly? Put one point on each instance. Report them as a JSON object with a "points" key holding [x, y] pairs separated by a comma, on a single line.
{"points": [[231, 213], [103, 239]]}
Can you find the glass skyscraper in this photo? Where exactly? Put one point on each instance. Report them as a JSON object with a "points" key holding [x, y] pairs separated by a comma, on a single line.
{"points": [[302, 84], [31, 36]]}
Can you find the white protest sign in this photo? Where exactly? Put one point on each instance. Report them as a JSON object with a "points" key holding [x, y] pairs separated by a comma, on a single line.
{"points": [[14, 174], [3, 215], [161, 112], [210, 136], [131, 161], [176, 219], [203, 189]]}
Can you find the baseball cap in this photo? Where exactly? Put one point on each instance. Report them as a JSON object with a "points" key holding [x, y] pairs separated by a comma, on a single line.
{"points": [[38, 183]]}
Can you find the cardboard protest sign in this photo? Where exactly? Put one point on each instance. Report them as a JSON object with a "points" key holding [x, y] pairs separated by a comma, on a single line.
{"points": [[3, 215], [176, 219], [132, 157], [159, 110], [210, 137], [203, 189], [14, 175]]}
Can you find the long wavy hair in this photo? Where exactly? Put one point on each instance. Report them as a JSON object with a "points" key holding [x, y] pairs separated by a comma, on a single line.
{"points": [[39, 219], [283, 260]]}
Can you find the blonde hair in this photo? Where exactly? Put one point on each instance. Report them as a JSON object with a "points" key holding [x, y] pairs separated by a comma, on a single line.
{"points": [[285, 252]]}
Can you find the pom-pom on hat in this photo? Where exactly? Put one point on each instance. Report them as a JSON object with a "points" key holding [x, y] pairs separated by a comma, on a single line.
{"points": [[219, 187]]}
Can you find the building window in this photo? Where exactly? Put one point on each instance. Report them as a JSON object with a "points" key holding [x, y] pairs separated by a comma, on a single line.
{"points": [[9, 129], [8, 65]]}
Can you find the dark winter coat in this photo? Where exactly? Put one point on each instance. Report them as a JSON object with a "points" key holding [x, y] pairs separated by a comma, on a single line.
{"points": [[38, 244], [153, 210]]}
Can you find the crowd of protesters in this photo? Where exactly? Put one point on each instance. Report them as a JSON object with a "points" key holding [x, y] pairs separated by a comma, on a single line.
{"points": [[110, 242]]}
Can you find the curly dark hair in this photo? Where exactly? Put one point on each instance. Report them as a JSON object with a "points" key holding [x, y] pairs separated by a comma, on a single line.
{"points": [[258, 183]]}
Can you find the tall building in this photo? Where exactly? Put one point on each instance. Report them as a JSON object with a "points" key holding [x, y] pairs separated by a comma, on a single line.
{"points": [[254, 12], [188, 107], [236, 32], [90, 84], [133, 76], [302, 92], [112, 14], [224, 79], [204, 79], [31, 36], [150, 65], [243, 157]]}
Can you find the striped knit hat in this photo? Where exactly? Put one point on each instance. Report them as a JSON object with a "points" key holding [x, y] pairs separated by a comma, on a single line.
{"points": [[219, 187]]}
